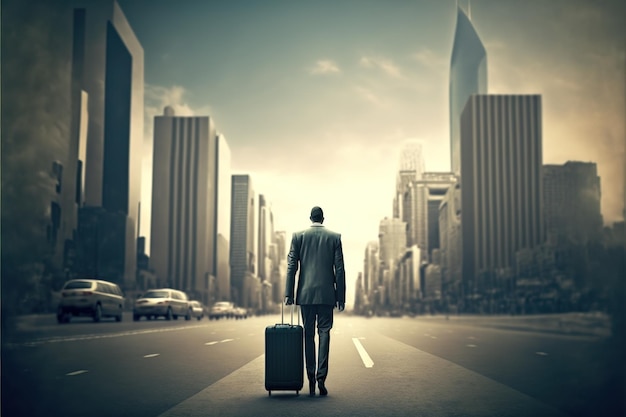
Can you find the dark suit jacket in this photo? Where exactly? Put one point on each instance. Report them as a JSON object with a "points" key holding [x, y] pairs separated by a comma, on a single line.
{"points": [[318, 253]]}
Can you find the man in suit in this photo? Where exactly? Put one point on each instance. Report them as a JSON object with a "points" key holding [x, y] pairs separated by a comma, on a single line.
{"points": [[321, 287]]}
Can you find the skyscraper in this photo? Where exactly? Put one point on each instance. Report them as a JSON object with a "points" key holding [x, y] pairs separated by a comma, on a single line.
{"points": [[468, 75], [571, 196], [450, 241], [190, 208], [242, 235], [370, 268], [410, 168], [501, 182], [424, 197], [108, 66], [222, 219], [266, 226], [113, 77]]}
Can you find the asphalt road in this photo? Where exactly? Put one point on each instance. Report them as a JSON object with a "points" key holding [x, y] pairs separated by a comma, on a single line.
{"points": [[378, 367]]}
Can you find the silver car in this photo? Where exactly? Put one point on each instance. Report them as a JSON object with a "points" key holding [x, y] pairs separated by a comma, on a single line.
{"points": [[162, 302], [197, 309], [221, 309], [90, 297]]}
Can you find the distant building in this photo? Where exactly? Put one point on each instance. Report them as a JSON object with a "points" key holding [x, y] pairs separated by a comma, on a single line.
{"points": [[190, 206], [370, 268], [468, 75], [425, 196], [450, 243], [392, 241], [279, 263], [392, 245], [243, 273], [410, 168], [571, 198], [266, 231], [501, 183], [410, 285]]}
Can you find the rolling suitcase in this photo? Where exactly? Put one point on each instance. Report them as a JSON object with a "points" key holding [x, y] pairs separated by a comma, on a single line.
{"points": [[284, 358]]}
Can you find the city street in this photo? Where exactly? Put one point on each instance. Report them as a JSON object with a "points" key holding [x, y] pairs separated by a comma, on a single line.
{"points": [[378, 367]]}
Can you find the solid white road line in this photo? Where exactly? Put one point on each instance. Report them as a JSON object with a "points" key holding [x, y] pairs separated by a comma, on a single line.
{"points": [[82, 371], [367, 361]]}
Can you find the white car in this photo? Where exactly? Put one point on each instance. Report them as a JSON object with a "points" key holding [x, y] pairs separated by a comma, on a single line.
{"points": [[222, 309], [240, 313], [162, 302], [197, 309], [90, 297]]}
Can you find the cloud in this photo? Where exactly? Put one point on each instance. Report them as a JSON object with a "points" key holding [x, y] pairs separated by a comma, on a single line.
{"points": [[386, 65], [428, 59], [369, 96], [325, 67]]}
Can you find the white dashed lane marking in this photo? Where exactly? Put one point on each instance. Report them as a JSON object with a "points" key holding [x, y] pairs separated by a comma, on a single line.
{"points": [[471, 346], [367, 361], [82, 371], [218, 341], [151, 355], [541, 353]]}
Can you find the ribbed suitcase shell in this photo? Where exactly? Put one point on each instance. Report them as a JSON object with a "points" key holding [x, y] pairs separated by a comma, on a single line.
{"points": [[284, 359]]}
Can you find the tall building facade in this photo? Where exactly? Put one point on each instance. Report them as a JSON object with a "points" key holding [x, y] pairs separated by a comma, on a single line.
{"points": [[72, 178], [266, 231], [571, 196], [468, 75], [279, 265], [392, 245], [242, 235], [108, 91], [370, 268], [190, 207], [501, 183], [112, 68], [450, 243]]}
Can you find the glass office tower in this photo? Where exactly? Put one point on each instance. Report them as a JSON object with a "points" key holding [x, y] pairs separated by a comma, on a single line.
{"points": [[468, 75]]}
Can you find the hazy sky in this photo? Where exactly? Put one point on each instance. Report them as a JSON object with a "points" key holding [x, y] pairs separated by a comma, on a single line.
{"points": [[315, 98]]}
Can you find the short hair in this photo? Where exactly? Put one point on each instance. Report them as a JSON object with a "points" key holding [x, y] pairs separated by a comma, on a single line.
{"points": [[317, 214]]}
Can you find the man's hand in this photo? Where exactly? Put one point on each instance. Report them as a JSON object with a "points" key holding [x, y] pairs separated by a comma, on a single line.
{"points": [[289, 300], [341, 305]]}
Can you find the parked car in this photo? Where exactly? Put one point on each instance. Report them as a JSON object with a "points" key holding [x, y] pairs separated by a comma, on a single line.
{"points": [[221, 309], [197, 309], [90, 297], [162, 302], [240, 313]]}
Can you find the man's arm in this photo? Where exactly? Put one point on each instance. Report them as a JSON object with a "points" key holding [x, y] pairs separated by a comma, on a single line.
{"points": [[292, 266], [340, 276]]}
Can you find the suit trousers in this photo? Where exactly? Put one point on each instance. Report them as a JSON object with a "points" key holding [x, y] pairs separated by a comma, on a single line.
{"points": [[323, 315]]}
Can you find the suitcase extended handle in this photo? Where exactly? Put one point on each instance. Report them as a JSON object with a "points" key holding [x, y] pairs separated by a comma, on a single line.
{"points": [[282, 313]]}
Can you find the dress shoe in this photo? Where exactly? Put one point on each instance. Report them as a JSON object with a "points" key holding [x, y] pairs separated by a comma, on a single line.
{"points": [[312, 388], [323, 390]]}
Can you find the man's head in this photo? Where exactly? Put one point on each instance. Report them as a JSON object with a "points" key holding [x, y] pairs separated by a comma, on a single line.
{"points": [[317, 215]]}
